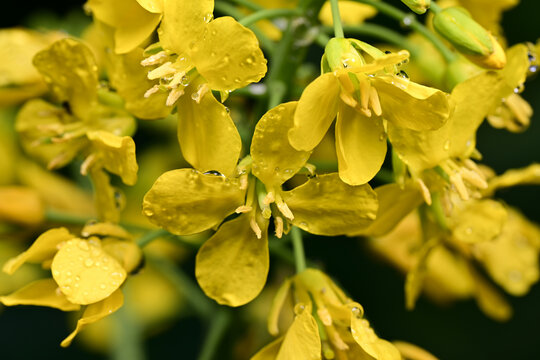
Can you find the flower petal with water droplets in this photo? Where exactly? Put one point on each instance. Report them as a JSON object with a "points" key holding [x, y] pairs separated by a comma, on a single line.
{"points": [[40, 293]]}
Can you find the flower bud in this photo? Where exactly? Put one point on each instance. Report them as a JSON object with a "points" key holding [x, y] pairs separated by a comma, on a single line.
{"points": [[340, 54], [470, 38], [418, 6]]}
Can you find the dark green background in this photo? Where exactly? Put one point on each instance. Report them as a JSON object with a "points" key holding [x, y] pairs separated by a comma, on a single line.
{"points": [[457, 332]]}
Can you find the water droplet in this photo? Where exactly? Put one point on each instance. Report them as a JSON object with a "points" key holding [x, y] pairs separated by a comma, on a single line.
{"points": [[102, 286], [446, 145], [403, 74], [304, 225], [519, 89], [533, 69], [382, 137], [407, 20], [83, 245], [213, 172], [88, 262], [356, 312], [119, 199], [208, 17], [148, 212], [387, 52], [237, 80]]}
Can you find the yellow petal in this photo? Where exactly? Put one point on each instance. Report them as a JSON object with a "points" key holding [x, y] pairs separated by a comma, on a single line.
{"points": [[351, 13], [473, 98], [130, 80], [127, 253], [270, 351], [325, 205], [228, 55], [395, 203], [106, 198], [412, 106], [187, 202], [153, 6], [85, 273], [95, 312], [277, 304], [70, 68], [183, 23], [302, 340], [512, 258], [274, 160], [315, 112], [360, 145], [478, 221], [207, 134], [116, 154], [40, 293], [375, 347], [231, 267], [42, 249], [105, 229], [490, 300], [21, 205], [34, 117], [412, 352], [517, 65], [529, 175], [133, 22]]}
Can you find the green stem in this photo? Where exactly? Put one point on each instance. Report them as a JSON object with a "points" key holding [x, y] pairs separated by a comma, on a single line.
{"points": [[127, 337], [231, 10], [336, 19], [268, 14], [194, 296], [248, 5], [55, 216], [151, 236], [379, 32], [298, 246], [410, 21], [437, 211], [218, 327]]}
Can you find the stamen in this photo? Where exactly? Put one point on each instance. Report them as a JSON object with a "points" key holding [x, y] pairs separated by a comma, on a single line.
{"points": [[278, 223], [177, 79], [154, 89], [161, 71], [474, 178], [174, 95], [243, 209], [201, 91], [364, 96], [324, 315], [461, 189], [269, 198], [375, 102], [425, 191], [86, 164], [154, 59], [255, 227]]}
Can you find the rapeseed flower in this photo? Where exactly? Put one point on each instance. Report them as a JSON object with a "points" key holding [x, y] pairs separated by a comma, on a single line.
{"points": [[327, 324], [86, 271], [232, 265], [365, 96]]}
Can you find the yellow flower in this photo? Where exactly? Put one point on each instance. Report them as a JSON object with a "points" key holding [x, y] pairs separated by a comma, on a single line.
{"points": [[19, 80], [350, 12], [363, 96], [86, 271], [232, 265], [327, 324], [196, 54], [441, 158], [87, 123], [133, 21]]}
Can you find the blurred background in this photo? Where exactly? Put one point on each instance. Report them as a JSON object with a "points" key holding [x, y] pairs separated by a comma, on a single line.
{"points": [[459, 331]]}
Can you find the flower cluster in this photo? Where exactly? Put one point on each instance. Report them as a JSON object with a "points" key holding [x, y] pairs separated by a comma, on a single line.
{"points": [[270, 151]]}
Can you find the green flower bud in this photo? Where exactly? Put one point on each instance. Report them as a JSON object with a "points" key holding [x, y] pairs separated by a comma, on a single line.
{"points": [[466, 35], [340, 54], [418, 6]]}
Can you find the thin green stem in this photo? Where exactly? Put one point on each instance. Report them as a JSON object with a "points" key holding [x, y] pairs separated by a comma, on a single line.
{"points": [[409, 20], [268, 14], [194, 296], [298, 246], [336, 19], [127, 342], [248, 5], [218, 327], [55, 216], [151, 236], [379, 32]]}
